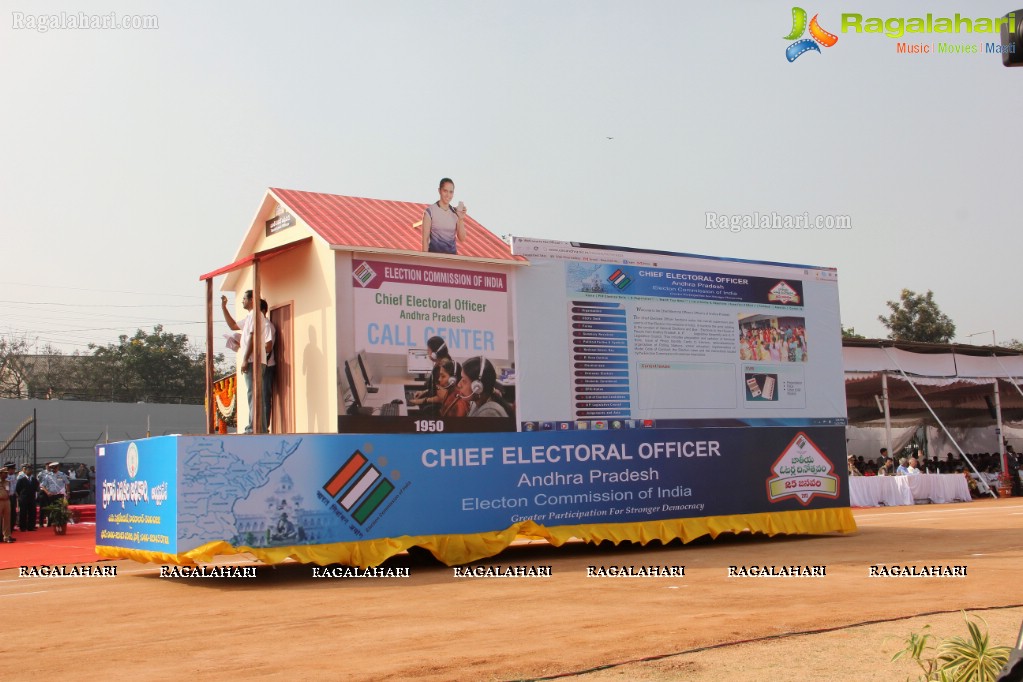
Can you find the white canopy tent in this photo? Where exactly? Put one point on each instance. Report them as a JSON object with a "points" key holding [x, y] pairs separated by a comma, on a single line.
{"points": [[965, 395]]}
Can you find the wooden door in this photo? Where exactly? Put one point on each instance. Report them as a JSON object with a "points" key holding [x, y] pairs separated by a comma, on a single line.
{"points": [[282, 417]]}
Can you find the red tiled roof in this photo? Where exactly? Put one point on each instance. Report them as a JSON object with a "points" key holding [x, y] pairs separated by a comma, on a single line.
{"points": [[356, 222]]}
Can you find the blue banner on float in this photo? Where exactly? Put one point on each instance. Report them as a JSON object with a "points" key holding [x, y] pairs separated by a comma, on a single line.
{"points": [[691, 285], [136, 494], [266, 491]]}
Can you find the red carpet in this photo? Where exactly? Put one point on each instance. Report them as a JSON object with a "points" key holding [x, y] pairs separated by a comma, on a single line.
{"points": [[44, 547]]}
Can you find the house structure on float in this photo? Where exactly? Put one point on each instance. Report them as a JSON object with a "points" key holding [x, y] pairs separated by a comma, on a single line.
{"points": [[345, 278]]}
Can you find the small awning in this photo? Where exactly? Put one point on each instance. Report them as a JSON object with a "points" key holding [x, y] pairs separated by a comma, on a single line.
{"points": [[259, 255]]}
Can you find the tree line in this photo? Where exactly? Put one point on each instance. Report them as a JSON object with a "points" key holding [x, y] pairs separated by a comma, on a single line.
{"points": [[156, 367], [917, 317]]}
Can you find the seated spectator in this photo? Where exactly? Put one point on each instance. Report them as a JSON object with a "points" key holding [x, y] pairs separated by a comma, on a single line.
{"points": [[853, 471], [902, 470], [888, 468], [913, 469]]}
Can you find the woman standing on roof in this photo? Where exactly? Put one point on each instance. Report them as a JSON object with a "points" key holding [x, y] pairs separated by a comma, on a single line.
{"points": [[444, 224]]}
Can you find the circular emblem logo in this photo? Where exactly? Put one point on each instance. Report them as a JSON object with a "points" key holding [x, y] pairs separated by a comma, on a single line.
{"points": [[133, 460]]}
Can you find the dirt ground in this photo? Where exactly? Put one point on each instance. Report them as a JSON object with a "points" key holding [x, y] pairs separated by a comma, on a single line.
{"points": [[284, 623]]}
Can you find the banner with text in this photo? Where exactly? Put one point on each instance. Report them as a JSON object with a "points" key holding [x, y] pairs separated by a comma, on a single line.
{"points": [[400, 305], [609, 335], [269, 491], [137, 494]]}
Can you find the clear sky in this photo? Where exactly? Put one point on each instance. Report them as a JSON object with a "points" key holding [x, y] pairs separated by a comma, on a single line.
{"points": [[132, 161]]}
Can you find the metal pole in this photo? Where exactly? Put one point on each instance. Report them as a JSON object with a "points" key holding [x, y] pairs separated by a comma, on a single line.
{"points": [[210, 405], [1001, 448], [35, 442], [257, 352], [887, 415], [1002, 458], [980, 479]]}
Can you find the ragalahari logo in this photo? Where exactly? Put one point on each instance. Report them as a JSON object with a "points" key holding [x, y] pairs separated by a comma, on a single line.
{"points": [[818, 36]]}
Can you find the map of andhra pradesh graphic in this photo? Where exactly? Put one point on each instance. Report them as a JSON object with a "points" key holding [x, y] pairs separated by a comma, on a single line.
{"points": [[213, 481]]}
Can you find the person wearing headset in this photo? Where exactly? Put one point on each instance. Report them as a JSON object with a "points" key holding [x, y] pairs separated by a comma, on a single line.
{"points": [[477, 387], [448, 375], [428, 399], [443, 380]]}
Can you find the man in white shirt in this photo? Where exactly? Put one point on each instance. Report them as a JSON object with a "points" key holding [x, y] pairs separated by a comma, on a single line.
{"points": [[53, 486], [269, 336], [269, 363]]}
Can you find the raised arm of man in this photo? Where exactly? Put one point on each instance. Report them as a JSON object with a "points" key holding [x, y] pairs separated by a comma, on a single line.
{"points": [[227, 315]]}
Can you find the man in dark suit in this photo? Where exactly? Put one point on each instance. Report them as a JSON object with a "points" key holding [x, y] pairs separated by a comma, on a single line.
{"points": [[26, 489]]}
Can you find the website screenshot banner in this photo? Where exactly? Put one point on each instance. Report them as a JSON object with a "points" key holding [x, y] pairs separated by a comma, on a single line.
{"points": [[620, 338]]}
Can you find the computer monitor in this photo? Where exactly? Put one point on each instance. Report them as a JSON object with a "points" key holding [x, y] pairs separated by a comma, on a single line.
{"points": [[354, 376], [419, 361], [365, 373]]}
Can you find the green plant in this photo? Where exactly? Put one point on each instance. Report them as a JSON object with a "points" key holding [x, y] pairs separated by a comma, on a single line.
{"points": [[956, 659], [974, 659], [918, 650], [58, 513]]}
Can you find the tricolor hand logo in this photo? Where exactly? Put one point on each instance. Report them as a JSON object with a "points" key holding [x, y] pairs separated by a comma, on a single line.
{"points": [[818, 34]]}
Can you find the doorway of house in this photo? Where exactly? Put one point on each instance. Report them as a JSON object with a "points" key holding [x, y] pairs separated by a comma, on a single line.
{"points": [[282, 415]]}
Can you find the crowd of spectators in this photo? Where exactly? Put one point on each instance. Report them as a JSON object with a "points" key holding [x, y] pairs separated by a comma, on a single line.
{"points": [[985, 462], [27, 493]]}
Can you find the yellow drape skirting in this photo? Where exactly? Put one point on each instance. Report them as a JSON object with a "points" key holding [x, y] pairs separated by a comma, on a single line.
{"points": [[461, 549]]}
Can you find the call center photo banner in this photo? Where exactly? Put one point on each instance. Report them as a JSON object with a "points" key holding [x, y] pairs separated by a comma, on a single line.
{"points": [[261, 492], [400, 305]]}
